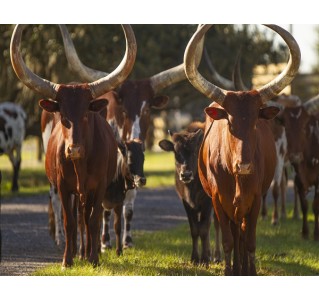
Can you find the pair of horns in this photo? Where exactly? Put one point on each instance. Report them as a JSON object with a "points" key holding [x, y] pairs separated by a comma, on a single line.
{"points": [[49, 89], [267, 92]]}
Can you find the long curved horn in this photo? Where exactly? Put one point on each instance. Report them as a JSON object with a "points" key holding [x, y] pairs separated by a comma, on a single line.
{"points": [[196, 79], [275, 86], [312, 105], [168, 77], [111, 81], [46, 88], [217, 78], [267, 92], [98, 87], [86, 74], [237, 79]]}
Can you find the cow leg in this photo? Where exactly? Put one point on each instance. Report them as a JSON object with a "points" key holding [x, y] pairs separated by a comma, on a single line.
{"points": [[57, 209], [106, 239], [235, 228], [251, 235], [283, 190], [315, 208], [304, 208], [296, 215], [204, 232], [275, 194], [16, 162], [128, 215], [118, 228], [264, 207], [227, 237], [81, 230], [75, 232], [217, 253], [69, 226], [51, 219], [192, 221], [94, 225]]}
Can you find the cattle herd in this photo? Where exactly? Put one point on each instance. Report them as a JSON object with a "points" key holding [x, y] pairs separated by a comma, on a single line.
{"points": [[94, 135]]}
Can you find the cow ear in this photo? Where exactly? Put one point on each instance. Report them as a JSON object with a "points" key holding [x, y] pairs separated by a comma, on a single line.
{"points": [[49, 105], [269, 112], [216, 113], [97, 105], [159, 102], [166, 145]]}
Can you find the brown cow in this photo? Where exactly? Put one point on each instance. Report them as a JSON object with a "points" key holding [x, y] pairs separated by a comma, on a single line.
{"points": [[237, 158], [302, 129], [129, 108], [81, 152]]}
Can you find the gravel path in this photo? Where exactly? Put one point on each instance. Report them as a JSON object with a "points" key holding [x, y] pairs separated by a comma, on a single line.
{"points": [[26, 244]]}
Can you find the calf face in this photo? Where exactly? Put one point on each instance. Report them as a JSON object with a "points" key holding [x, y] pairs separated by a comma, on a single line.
{"points": [[185, 146]]}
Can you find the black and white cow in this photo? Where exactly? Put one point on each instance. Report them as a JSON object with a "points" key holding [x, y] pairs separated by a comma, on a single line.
{"points": [[12, 133]]}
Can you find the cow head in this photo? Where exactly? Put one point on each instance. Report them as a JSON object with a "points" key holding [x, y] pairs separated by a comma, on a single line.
{"points": [[73, 102], [74, 121], [241, 110], [185, 146], [135, 156]]}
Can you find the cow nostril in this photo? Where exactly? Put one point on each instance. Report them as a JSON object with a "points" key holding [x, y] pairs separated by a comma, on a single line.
{"points": [[142, 180]]}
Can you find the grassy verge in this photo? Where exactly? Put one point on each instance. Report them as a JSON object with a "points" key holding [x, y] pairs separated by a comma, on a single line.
{"points": [[280, 252]]}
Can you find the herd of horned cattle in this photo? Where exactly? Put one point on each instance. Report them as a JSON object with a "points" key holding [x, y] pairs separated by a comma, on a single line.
{"points": [[224, 165]]}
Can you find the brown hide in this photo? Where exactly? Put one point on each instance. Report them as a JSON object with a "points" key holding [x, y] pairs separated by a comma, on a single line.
{"points": [[86, 175]]}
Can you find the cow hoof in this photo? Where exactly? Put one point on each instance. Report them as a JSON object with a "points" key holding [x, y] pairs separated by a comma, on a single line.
{"points": [[128, 245], [105, 247]]}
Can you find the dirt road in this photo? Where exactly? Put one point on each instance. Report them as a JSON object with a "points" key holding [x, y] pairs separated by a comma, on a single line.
{"points": [[26, 244]]}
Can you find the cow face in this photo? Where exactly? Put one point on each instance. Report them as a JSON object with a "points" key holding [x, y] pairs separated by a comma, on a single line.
{"points": [[295, 120], [137, 98], [240, 112], [135, 160], [74, 105], [185, 146]]}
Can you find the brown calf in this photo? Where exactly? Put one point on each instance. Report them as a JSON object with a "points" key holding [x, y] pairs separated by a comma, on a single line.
{"points": [[237, 158], [81, 152], [198, 206]]}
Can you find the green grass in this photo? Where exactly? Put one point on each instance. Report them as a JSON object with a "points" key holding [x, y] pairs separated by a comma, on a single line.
{"points": [[280, 252]]}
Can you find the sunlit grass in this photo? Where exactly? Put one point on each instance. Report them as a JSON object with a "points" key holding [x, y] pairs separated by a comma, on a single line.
{"points": [[281, 251]]}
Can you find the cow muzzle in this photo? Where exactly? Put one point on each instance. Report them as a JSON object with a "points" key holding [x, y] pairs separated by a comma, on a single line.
{"points": [[139, 181], [244, 169], [74, 152], [186, 176]]}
